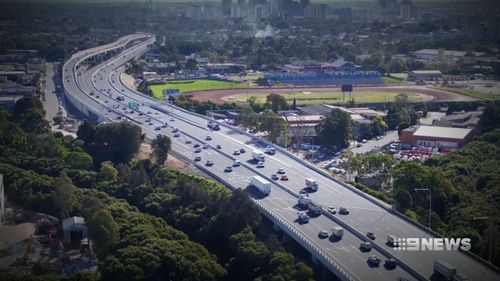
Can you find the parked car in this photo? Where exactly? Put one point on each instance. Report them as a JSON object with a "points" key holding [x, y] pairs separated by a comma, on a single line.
{"points": [[218, 146], [242, 150], [197, 158], [208, 138]]}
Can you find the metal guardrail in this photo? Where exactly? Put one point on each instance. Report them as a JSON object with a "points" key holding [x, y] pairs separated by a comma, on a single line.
{"points": [[323, 173], [307, 244], [354, 189]]}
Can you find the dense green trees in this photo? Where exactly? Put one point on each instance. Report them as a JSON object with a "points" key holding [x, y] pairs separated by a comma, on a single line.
{"points": [[116, 142], [335, 129], [135, 238], [161, 146], [276, 102]]}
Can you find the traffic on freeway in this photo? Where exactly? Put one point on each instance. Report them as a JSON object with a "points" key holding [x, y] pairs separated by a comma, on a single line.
{"points": [[354, 231]]}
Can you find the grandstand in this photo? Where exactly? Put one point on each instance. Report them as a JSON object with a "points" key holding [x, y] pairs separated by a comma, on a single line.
{"points": [[327, 78]]}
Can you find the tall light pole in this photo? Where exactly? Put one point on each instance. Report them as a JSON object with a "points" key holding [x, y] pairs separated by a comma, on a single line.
{"points": [[430, 202], [490, 226]]}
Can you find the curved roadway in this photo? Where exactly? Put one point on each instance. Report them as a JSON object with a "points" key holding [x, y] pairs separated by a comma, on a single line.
{"points": [[97, 88]]}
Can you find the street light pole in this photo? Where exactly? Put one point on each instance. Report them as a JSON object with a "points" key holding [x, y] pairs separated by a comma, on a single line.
{"points": [[490, 226], [430, 202]]}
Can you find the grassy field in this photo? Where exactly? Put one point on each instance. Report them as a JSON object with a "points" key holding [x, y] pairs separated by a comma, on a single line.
{"points": [[471, 93], [326, 97], [185, 86], [393, 82], [400, 75]]}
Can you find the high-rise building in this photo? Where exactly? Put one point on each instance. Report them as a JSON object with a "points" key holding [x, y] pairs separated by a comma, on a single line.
{"points": [[408, 10], [226, 7]]}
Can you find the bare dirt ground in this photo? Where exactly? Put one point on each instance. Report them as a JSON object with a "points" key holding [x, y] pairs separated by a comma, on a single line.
{"points": [[129, 81], [171, 163], [426, 93]]}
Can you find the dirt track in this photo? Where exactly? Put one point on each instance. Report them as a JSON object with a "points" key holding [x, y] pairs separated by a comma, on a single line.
{"points": [[427, 94]]}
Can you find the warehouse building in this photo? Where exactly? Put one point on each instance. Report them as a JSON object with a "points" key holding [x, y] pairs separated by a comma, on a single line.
{"points": [[425, 75], [435, 136]]}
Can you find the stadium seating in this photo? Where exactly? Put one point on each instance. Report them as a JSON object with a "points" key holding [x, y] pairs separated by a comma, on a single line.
{"points": [[327, 78]]}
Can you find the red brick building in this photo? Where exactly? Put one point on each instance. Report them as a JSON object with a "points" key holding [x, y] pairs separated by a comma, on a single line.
{"points": [[434, 136]]}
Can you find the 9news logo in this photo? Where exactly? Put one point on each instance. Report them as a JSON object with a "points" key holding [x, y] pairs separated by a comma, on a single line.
{"points": [[432, 244]]}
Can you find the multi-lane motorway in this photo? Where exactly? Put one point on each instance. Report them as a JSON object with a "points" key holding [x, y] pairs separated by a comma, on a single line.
{"points": [[98, 91]]}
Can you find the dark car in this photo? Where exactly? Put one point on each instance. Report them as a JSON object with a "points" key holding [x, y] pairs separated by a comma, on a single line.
{"points": [[284, 178], [274, 177], [371, 235], [242, 150], [390, 263], [374, 260]]}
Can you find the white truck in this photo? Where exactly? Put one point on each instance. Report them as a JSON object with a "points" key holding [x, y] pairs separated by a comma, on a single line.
{"points": [[312, 184], [303, 217], [338, 231], [444, 269], [258, 155], [304, 200], [261, 184]]}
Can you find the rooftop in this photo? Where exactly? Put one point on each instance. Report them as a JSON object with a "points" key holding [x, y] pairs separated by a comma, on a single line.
{"points": [[446, 52], [442, 132], [72, 221]]}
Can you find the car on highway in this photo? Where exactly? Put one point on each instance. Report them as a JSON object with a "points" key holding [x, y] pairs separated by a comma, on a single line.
{"points": [[175, 130], [197, 158], [206, 146], [365, 246], [374, 260], [242, 150], [157, 128], [390, 263], [260, 164], [196, 145], [176, 135], [197, 150], [236, 163], [208, 138], [228, 169], [331, 210], [323, 234], [281, 171], [209, 163], [172, 120], [371, 235], [284, 178], [236, 152], [343, 211], [188, 141], [274, 177], [218, 146]]}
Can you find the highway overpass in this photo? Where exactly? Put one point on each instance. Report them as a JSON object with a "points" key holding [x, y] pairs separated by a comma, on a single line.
{"points": [[92, 83]]}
